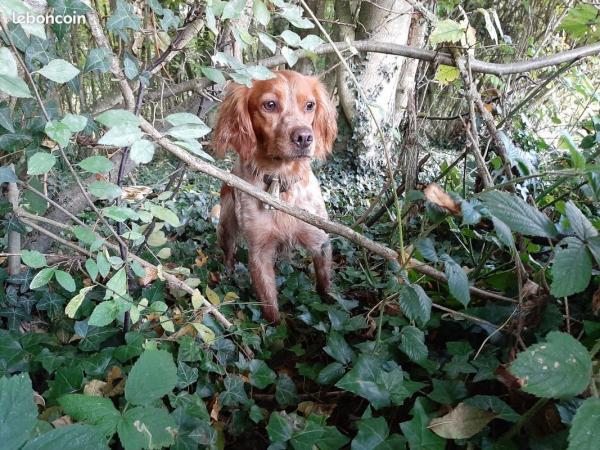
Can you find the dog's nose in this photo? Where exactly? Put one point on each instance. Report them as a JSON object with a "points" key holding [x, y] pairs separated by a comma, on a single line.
{"points": [[302, 137]]}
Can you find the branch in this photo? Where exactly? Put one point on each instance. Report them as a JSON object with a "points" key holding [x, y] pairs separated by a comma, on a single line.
{"points": [[14, 237], [312, 219]]}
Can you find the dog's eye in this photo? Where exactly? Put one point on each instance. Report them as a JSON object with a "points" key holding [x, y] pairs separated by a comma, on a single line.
{"points": [[310, 106], [270, 105]]}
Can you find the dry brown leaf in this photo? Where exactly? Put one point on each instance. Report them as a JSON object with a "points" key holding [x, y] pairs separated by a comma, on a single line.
{"points": [[62, 421], [596, 302], [321, 409], [201, 259], [151, 275], [530, 288], [135, 193], [462, 422], [38, 399], [95, 388], [437, 196], [216, 409]]}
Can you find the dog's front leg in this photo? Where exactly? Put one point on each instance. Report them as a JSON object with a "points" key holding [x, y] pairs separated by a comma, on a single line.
{"points": [[317, 243], [262, 272]]}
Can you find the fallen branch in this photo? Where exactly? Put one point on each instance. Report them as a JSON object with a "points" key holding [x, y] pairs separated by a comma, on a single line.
{"points": [[312, 219]]}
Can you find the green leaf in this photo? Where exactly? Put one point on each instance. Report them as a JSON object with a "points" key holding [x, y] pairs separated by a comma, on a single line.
{"points": [[462, 422], [18, 413], [165, 214], [183, 118], [7, 175], [518, 215], [142, 151], [580, 20], [372, 432], [74, 122], [332, 439], [14, 86], [494, 404], [123, 19], [279, 427], [84, 234], [446, 74], [446, 31], [458, 283], [96, 164], [58, 132], [415, 303], [559, 368], [285, 391], [293, 14], [413, 343], [146, 427], [104, 190], [116, 117], [585, 428], [572, 268], [99, 60], [121, 135], [42, 278], [59, 71], [76, 301], [98, 411], [290, 56], [233, 9], [194, 147], [266, 40], [417, 433], [447, 392], [234, 393], [214, 75], [152, 376], [39, 163], [189, 131], [33, 259], [362, 380], [261, 13], [311, 42], [8, 63], [92, 268], [292, 39], [261, 375], [308, 437], [65, 280], [260, 73], [116, 287], [338, 348], [331, 373], [503, 232], [104, 313], [581, 225], [71, 437]]}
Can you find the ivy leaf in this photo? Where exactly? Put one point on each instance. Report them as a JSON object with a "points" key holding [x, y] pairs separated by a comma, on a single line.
{"points": [[338, 348], [494, 404], [122, 19], [446, 31], [279, 427], [462, 422], [142, 151], [59, 71], [458, 283], [309, 436], [234, 393], [413, 343], [14, 86], [152, 376], [42, 278], [65, 280], [261, 375], [361, 380], [518, 215], [561, 367], [98, 60], [146, 427], [121, 136], [417, 432], [58, 132], [19, 413], [8, 63], [572, 268], [585, 428], [40, 162], [372, 432], [98, 411], [285, 391]]}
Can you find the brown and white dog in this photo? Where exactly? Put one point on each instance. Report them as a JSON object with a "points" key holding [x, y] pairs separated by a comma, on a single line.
{"points": [[277, 126]]}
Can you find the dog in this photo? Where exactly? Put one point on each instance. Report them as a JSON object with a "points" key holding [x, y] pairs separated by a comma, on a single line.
{"points": [[277, 127]]}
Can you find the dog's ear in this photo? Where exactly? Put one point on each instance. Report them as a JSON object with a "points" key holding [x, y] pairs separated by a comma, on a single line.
{"points": [[234, 126], [325, 121]]}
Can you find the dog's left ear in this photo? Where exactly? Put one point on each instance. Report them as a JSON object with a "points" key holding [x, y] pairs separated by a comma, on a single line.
{"points": [[325, 122]]}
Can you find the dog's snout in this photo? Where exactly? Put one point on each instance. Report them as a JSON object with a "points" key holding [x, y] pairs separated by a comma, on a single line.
{"points": [[302, 137]]}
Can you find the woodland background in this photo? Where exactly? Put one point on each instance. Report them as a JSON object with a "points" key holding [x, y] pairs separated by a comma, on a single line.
{"points": [[463, 194]]}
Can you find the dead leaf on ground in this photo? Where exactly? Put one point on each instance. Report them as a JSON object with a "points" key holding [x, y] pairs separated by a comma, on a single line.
{"points": [[462, 422], [151, 275], [95, 388], [216, 409], [135, 193], [38, 399], [201, 259], [62, 421], [439, 197], [322, 409]]}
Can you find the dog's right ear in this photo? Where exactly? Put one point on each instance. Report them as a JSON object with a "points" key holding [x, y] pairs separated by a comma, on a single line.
{"points": [[234, 126]]}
